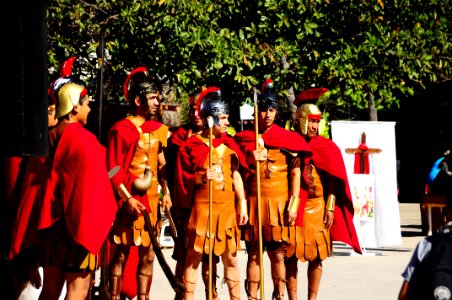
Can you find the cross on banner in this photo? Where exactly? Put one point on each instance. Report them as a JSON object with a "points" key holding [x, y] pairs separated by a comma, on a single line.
{"points": [[362, 155]]}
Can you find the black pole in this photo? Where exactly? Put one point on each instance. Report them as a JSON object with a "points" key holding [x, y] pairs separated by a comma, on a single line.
{"points": [[100, 56]]}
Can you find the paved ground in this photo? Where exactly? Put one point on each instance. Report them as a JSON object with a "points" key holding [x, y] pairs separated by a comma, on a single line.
{"points": [[375, 276]]}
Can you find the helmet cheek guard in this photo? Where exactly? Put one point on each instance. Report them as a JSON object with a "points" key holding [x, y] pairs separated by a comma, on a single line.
{"points": [[303, 125]]}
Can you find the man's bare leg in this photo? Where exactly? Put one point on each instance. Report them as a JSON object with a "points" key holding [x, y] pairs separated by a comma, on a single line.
{"points": [[205, 278], [179, 273], [54, 278], [231, 275], [116, 268], [291, 276], [191, 272], [278, 270], [78, 285], [252, 271], [314, 276], [145, 271]]}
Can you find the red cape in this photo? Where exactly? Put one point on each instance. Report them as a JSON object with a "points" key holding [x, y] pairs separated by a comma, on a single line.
{"points": [[192, 154], [13, 176], [278, 137], [182, 133], [274, 137], [25, 229], [178, 137], [327, 157], [123, 139], [80, 173]]}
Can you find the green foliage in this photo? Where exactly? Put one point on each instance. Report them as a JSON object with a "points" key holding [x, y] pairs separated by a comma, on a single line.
{"points": [[360, 50]]}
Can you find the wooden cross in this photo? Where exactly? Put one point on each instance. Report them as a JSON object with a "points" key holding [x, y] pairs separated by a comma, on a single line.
{"points": [[362, 155]]}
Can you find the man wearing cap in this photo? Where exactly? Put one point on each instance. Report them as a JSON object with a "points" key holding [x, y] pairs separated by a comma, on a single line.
{"points": [[192, 176], [279, 192], [328, 213], [72, 230], [136, 145]]}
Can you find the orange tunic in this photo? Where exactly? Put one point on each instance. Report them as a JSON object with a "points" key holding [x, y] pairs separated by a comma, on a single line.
{"points": [[274, 196], [129, 229], [224, 218], [313, 239]]}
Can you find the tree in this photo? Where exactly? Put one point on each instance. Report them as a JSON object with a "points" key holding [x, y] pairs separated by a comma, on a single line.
{"points": [[370, 54]]}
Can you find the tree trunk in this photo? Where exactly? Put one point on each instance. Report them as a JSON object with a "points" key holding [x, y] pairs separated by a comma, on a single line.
{"points": [[373, 115]]}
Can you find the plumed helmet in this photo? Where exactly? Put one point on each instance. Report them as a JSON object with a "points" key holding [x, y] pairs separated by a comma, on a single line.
{"points": [[211, 104], [69, 95], [67, 75], [139, 82], [304, 113], [266, 99]]}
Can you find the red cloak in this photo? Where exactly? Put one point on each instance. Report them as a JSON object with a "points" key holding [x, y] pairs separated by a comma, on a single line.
{"points": [[327, 156], [278, 137], [192, 154], [80, 173], [25, 229], [123, 139]]}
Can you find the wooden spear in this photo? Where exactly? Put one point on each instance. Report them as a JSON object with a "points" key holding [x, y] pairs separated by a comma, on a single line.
{"points": [[258, 196], [210, 123]]}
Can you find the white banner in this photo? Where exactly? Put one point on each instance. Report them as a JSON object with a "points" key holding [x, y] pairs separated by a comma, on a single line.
{"points": [[377, 218]]}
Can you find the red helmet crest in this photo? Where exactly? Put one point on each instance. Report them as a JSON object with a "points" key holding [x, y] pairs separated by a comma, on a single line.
{"points": [[267, 86], [66, 68], [309, 96], [141, 72]]}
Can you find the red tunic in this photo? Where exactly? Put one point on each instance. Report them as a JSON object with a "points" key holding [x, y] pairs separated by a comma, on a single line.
{"points": [[327, 157]]}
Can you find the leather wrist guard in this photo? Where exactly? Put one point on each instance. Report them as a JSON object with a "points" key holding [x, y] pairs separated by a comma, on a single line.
{"points": [[242, 206], [294, 203], [165, 189], [330, 203], [123, 192]]}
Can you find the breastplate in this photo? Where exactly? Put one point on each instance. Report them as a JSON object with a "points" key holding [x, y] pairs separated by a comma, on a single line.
{"points": [[146, 155], [273, 173], [221, 163], [314, 183]]}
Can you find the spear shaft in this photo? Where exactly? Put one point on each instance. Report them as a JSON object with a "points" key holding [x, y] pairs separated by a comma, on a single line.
{"points": [[210, 123], [259, 204]]}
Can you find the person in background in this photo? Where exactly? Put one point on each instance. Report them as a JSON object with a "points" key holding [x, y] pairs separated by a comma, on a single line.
{"points": [[136, 145], [24, 249], [72, 230], [192, 176], [279, 185], [416, 284], [328, 212]]}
